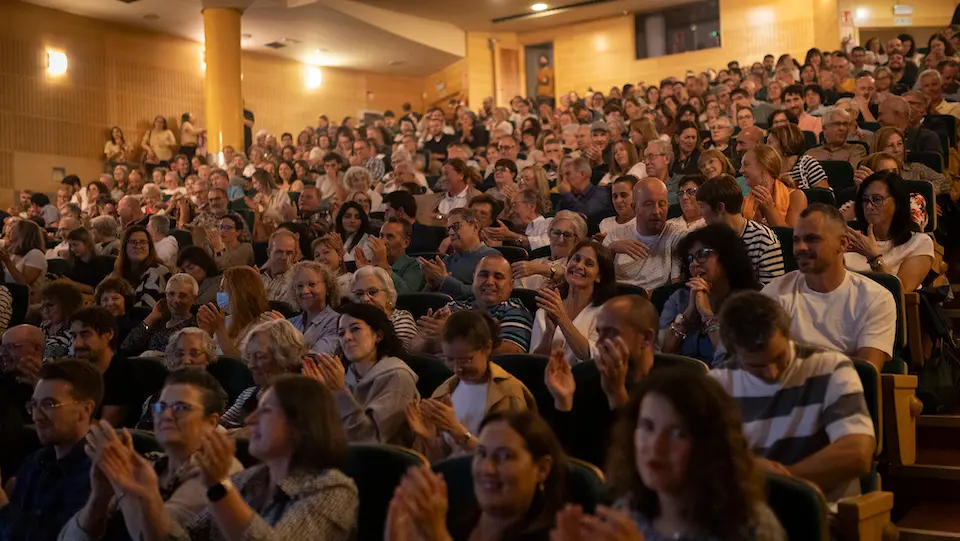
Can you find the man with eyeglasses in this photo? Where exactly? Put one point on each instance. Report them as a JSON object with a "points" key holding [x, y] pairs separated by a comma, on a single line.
{"points": [[21, 356], [836, 129], [454, 274], [829, 306], [931, 84], [895, 112], [53, 483], [658, 156], [168, 316]]}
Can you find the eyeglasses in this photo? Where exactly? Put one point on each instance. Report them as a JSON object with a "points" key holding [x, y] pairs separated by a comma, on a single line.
{"points": [[649, 157], [139, 243], [226, 227], [370, 292], [701, 255], [47, 405], [690, 192], [566, 235], [875, 200], [455, 226], [178, 409]]}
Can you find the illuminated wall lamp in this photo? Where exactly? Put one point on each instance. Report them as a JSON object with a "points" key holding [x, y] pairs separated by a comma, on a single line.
{"points": [[314, 77], [56, 62]]}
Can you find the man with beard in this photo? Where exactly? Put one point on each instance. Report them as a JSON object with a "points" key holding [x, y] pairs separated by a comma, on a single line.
{"points": [[490, 291], [829, 306], [54, 482], [125, 385], [645, 255], [904, 72]]}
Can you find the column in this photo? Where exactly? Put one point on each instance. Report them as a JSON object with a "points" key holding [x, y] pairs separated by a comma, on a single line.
{"points": [[224, 100]]}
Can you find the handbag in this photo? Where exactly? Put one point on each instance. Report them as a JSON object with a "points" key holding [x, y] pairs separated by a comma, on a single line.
{"points": [[938, 385]]}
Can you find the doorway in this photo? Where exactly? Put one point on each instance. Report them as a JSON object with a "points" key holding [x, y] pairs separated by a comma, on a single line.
{"points": [[532, 64]]}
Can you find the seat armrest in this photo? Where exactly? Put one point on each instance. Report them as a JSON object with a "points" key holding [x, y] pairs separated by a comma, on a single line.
{"points": [[864, 517], [901, 410]]}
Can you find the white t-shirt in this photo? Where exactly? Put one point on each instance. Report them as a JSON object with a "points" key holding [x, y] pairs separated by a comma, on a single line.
{"points": [[859, 313], [609, 224], [638, 170], [920, 244], [34, 259], [167, 250], [688, 226], [470, 404], [585, 322], [458, 201], [659, 267]]}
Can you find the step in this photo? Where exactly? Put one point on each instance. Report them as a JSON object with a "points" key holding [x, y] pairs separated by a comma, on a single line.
{"points": [[926, 471], [910, 534], [940, 518], [939, 421]]}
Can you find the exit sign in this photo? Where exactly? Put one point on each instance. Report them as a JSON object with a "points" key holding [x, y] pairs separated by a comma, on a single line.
{"points": [[903, 21]]}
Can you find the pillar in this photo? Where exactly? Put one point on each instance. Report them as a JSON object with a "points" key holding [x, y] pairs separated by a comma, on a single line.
{"points": [[224, 100]]}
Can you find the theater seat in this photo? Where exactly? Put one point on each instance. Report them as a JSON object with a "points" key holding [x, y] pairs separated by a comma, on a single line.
{"points": [[243, 453], [660, 295], [839, 174], [21, 302], [144, 442], [57, 266], [799, 506], [184, 238], [260, 253], [529, 369], [785, 234], [377, 470], [925, 189], [933, 160], [233, 374], [284, 308], [418, 303], [891, 283], [627, 289], [527, 296], [674, 211], [431, 372], [820, 195], [671, 360], [513, 253]]}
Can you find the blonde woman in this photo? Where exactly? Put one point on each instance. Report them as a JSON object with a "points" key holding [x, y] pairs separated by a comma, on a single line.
{"points": [[359, 179], [773, 199], [534, 177]]}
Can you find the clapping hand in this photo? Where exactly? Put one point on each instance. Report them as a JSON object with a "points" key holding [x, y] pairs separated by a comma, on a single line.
{"points": [[431, 325], [419, 423], [442, 416], [378, 250], [865, 245], [559, 381], [550, 301], [500, 232], [763, 195], [211, 319], [633, 248], [423, 495], [325, 368], [609, 525], [215, 457], [861, 174], [433, 270], [613, 359]]}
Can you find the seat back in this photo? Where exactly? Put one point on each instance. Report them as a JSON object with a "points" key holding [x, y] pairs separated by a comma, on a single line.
{"points": [[527, 296], [248, 217], [628, 289], [237, 204], [21, 302], [260, 253], [152, 373], [870, 380], [820, 195], [672, 360], [243, 453], [674, 211], [839, 174], [809, 140], [660, 295], [943, 125], [543, 251], [418, 303], [57, 266], [871, 126], [933, 160], [785, 234], [866, 147], [233, 374], [513, 253], [799, 506], [431, 372], [284, 308], [145, 442], [892, 284], [426, 255], [529, 369], [184, 238], [925, 189], [377, 470]]}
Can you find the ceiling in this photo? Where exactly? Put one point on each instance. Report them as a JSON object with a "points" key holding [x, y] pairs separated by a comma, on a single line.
{"points": [[322, 36], [481, 13]]}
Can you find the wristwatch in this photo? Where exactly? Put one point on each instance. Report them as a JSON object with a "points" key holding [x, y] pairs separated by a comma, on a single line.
{"points": [[217, 492]]}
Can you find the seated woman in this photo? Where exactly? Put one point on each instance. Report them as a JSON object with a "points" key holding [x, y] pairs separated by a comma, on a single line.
{"points": [[138, 264], [805, 171], [196, 262], [328, 251], [445, 423], [621, 191], [298, 440], [567, 319], [626, 161], [362, 199], [773, 199], [535, 177], [188, 410], [373, 285], [58, 301], [241, 305], [190, 347], [505, 179], [715, 265], [889, 242], [22, 256], [352, 225], [566, 231], [87, 269], [231, 246], [680, 469], [690, 217], [272, 349], [106, 232], [373, 393], [519, 501], [359, 179], [890, 140], [166, 318], [312, 285], [116, 295]]}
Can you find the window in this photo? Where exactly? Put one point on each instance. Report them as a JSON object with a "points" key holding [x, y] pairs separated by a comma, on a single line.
{"points": [[691, 27]]}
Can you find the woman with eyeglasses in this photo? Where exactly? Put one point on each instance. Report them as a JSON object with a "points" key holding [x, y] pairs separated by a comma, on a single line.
{"points": [[58, 301], [891, 140], [566, 231], [715, 265], [231, 245], [505, 176], [139, 264], [690, 217], [373, 285], [126, 487], [889, 241]]}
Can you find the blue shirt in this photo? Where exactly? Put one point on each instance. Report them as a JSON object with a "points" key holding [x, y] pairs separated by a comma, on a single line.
{"points": [[461, 265], [697, 344], [594, 202], [516, 322], [47, 495]]}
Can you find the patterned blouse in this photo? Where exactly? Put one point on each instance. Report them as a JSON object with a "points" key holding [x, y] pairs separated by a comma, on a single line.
{"points": [[150, 289], [57, 343]]}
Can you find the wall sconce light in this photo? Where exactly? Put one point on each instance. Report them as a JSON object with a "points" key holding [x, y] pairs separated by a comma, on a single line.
{"points": [[314, 77], [56, 62]]}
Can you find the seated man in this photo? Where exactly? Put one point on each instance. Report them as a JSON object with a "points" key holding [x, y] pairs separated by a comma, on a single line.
{"points": [[165, 244], [721, 202], [526, 211], [578, 194], [491, 289], [284, 251], [836, 130], [22, 356], [54, 482], [803, 408], [829, 306], [125, 385], [645, 255], [389, 253], [167, 317], [403, 206], [454, 273]]}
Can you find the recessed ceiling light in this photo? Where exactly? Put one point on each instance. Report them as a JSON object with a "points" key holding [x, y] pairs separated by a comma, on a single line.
{"points": [[539, 7], [151, 17], [292, 41]]}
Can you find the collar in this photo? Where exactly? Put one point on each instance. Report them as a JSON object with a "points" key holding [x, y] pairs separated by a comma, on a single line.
{"points": [[265, 269], [317, 319], [586, 191], [72, 460], [461, 195]]}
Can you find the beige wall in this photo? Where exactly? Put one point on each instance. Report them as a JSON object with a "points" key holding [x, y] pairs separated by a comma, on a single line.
{"points": [[124, 76], [453, 80]]}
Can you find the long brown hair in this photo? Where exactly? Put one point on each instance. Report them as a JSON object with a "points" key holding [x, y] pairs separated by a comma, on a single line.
{"points": [[722, 486], [124, 268], [248, 297]]}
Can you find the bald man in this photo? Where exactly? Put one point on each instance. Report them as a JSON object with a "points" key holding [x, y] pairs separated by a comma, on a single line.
{"points": [[130, 212], [895, 112], [21, 355], [645, 254]]}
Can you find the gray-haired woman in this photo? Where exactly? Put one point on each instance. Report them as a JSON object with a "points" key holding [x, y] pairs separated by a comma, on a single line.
{"points": [[372, 285]]}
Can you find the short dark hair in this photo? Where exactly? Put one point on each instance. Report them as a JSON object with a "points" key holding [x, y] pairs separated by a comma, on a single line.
{"points": [[333, 157], [40, 199], [739, 91], [86, 380], [377, 320], [199, 257], [388, 114], [607, 287], [902, 226], [214, 397], [71, 180], [309, 407], [114, 285], [731, 254], [402, 200], [749, 319], [790, 118], [406, 226], [815, 88], [65, 294], [830, 212], [496, 206], [478, 329], [723, 189], [796, 90], [509, 164], [96, 318]]}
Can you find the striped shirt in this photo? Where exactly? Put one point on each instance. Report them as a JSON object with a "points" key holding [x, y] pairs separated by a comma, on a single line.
{"points": [[807, 172], [764, 250], [404, 326], [817, 400], [516, 322]]}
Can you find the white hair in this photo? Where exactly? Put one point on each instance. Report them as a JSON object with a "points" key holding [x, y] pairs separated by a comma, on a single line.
{"points": [[930, 73], [183, 279], [170, 353], [357, 172], [575, 219], [287, 344], [380, 274], [663, 146]]}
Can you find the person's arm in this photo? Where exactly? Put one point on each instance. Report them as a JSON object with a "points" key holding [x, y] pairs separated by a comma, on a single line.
{"points": [[452, 286], [508, 347], [845, 459], [408, 280], [27, 276], [874, 356], [814, 172], [798, 202], [144, 143], [381, 418], [913, 270]]}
